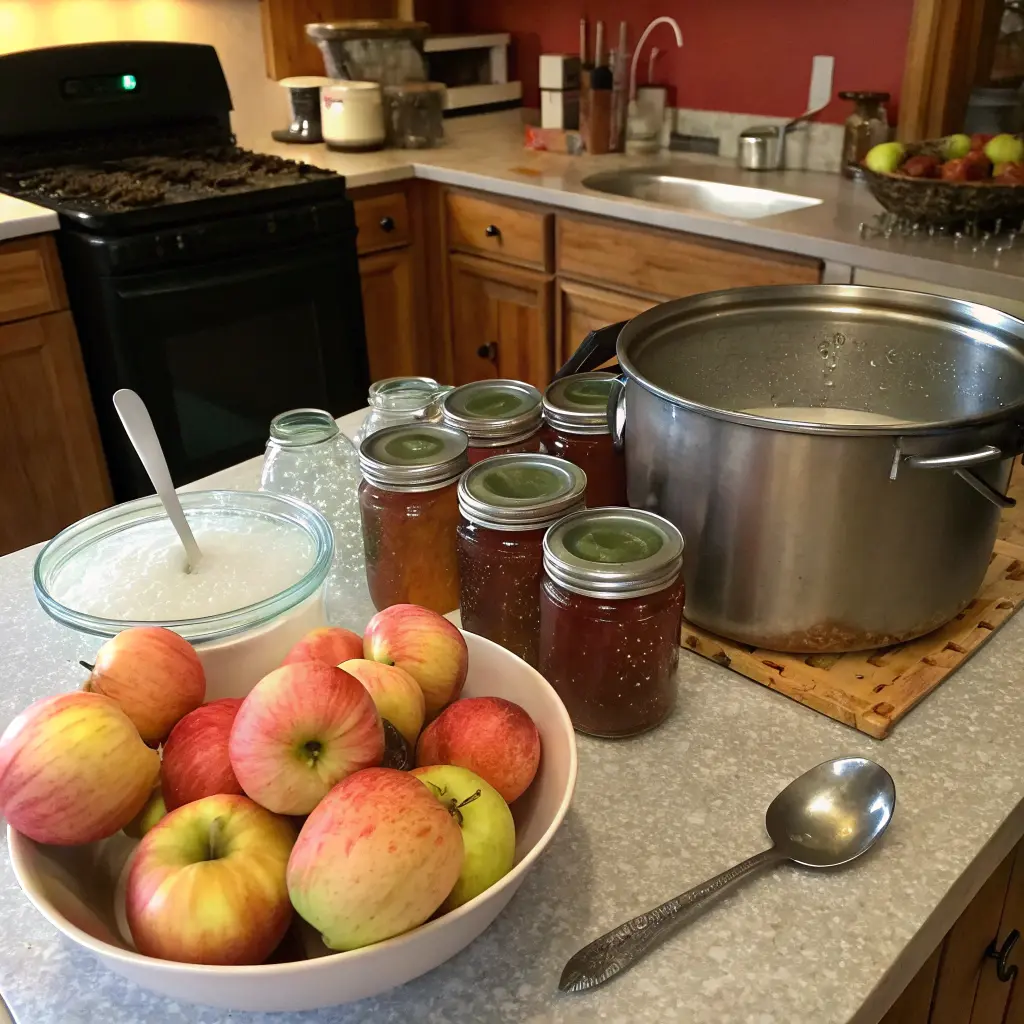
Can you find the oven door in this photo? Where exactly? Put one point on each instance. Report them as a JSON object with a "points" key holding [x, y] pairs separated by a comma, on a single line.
{"points": [[217, 350]]}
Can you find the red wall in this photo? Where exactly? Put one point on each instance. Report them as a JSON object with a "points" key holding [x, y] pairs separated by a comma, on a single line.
{"points": [[748, 56]]}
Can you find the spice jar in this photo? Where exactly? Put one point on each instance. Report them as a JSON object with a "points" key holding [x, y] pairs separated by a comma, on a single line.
{"points": [[507, 504], [499, 416], [409, 506], [865, 128], [611, 611], [576, 428]]}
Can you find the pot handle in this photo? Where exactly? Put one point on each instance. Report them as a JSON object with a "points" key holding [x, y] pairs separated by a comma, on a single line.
{"points": [[597, 348], [962, 465], [617, 413]]}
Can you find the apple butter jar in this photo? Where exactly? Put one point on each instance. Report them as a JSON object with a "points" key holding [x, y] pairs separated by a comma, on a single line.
{"points": [[499, 417], [409, 506], [611, 610], [507, 504], [576, 428]]}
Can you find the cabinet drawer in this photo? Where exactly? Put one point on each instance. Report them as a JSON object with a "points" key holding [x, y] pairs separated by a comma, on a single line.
{"points": [[383, 222], [502, 231], [30, 279], [667, 264]]}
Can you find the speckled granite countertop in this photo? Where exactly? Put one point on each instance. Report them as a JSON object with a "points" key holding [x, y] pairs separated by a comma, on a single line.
{"points": [[651, 817]]}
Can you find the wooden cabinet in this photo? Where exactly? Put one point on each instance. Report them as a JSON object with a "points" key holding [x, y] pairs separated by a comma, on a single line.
{"points": [[513, 232], [389, 312], [52, 471], [501, 322], [960, 984], [583, 308]]}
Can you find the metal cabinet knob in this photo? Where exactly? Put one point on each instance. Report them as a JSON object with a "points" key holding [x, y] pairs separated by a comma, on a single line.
{"points": [[1004, 971], [488, 351], [387, 224], [492, 231]]}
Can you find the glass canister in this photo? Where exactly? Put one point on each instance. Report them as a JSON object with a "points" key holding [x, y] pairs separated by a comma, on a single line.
{"points": [[309, 458], [576, 428], [414, 114], [397, 400], [409, 505], [499, 417], [867, 126], [507, 504], [611, 611]]}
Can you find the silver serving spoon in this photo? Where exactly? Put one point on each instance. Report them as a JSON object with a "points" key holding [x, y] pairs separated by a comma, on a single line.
{"points": [[827, 817], [138, 425]]}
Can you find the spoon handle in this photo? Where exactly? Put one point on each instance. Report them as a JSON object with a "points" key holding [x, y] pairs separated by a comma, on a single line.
{"points": [[619, 949], [138, 425]]}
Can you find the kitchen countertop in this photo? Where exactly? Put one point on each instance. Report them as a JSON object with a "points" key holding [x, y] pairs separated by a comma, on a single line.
{"points": [[18, 218], [486, 152], [651, 817]]}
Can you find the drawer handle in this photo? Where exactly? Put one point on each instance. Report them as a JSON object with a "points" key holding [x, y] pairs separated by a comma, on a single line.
{"points": [[488, 351], [492, 231], [387, 224], [1004, 971]]}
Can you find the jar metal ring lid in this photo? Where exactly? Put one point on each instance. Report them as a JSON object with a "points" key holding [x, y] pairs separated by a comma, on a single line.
{"points": [[494, 410], [521, 492], [579, 404], [414, 456], [613, 553]]}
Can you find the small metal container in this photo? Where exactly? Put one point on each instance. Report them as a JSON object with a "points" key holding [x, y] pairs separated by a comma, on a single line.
{"points": [[761, 148]]}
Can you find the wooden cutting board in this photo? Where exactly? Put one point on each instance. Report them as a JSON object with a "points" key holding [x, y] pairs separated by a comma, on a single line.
{"points": [[873, 690]]}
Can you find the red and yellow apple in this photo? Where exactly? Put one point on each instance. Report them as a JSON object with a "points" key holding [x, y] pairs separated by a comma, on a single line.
{"points": [[73, 769], [154, 674], [153, 811], [330, 644], [196, 760], [488, 831], [301, 730], [424, 644], [397, 695], [377, 857], [207, 884], [488, 735]]}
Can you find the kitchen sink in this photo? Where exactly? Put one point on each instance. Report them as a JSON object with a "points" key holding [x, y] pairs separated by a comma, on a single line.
{"points": [[657, 186]]}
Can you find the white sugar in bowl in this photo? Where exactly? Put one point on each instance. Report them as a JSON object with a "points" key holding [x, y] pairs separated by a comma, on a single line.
{"points": [[256, 592]]}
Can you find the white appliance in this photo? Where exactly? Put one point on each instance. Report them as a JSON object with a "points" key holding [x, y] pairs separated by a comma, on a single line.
{"points": [[475, 70]]}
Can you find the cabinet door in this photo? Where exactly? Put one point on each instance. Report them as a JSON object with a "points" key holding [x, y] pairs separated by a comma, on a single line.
{"points": [[53, 471], [1004, 1000], [583, 308], [389, 311], [501, 322]]}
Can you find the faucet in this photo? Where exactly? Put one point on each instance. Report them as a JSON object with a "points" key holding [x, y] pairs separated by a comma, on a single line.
{"points": [[666, 20], [643, 122]]}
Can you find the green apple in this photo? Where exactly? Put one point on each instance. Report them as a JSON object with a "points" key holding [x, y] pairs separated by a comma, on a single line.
{"points": [[954, 147], [154, 810], [1004, 149], [488, 831], [885, 157]]}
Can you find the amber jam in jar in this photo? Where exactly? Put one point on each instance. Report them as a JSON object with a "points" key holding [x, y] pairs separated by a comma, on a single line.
{"points": [[507, 504], [409, 506], [500, 417], [576, 428], [611, 610]]}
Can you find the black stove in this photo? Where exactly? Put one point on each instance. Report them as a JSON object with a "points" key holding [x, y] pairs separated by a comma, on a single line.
{"points": [[219, 283]]}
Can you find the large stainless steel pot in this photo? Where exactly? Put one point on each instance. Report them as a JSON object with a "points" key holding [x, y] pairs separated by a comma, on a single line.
{"points": [[804, 536]]}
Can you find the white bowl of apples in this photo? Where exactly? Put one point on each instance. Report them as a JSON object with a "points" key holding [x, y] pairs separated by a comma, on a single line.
{"points": [[291, 873]]}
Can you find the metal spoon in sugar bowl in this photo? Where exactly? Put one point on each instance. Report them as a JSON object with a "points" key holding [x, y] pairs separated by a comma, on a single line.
{"points": [[827, 817]]}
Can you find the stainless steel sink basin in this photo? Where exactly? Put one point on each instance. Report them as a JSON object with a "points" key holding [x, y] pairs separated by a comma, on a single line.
{"points": [[657, 186]]}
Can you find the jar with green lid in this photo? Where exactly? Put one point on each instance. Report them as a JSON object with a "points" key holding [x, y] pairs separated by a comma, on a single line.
{"points": [[507, 503], [611, 612], [409, 507], [500, 417], [576, 428]]}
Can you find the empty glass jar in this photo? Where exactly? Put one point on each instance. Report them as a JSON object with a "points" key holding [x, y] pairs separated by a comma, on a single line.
{"points": [[397, 400], [309, 458]]}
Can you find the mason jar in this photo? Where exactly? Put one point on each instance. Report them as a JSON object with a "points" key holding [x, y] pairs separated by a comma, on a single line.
{"points": [[499, 417]]}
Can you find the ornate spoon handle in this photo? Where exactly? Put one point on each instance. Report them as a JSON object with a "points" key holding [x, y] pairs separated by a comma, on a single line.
{"points": [[619, 949]]}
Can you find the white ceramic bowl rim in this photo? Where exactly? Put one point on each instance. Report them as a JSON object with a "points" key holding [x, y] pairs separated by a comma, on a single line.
{"points": [[62, 924], [79, 535]]}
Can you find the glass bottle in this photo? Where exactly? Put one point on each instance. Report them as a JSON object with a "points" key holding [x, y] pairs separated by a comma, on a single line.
{"points": [[309, 458], [507, 503], [867, 126], [611, 612], [397, 400], [576, 428], [500, 417], [409, 505]]}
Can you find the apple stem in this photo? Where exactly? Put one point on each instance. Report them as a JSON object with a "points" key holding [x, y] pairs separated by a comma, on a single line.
{"points": [[86, 664], [216, 830], [470, 799]]}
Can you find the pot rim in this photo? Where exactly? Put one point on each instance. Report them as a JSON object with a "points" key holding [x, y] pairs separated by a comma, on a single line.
{"points": [[970, 314]]}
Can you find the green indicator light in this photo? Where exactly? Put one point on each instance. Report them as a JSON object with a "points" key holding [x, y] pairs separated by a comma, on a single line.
{"points": [[128, 83]]}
